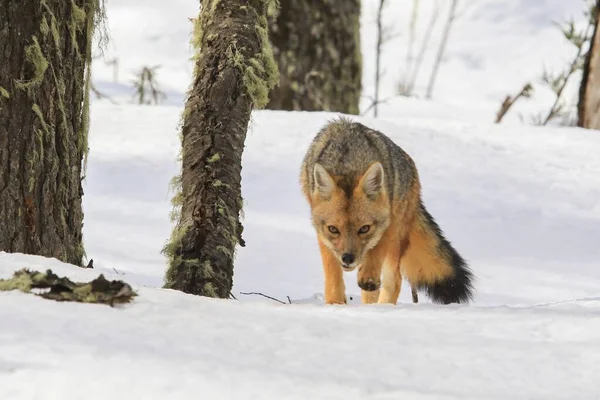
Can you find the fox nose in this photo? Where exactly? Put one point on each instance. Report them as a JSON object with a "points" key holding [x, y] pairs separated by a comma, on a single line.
{"points": [[347, 258]]}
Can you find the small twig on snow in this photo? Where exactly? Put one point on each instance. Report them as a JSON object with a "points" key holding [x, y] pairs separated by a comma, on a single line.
{"points": [[263, 295]]}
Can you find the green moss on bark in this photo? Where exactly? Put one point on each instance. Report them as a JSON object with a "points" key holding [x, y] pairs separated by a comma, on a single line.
{"points": [[214, 158], [44, 27], [55, 187], [39, 64], [36, 110], [260, 73], [209, 290]]}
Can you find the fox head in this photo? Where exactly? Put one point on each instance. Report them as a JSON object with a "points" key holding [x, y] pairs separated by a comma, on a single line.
{"points": [[350, 217]]}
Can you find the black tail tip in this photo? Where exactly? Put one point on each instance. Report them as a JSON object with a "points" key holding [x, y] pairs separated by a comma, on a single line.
{"points": [[457, 288]]}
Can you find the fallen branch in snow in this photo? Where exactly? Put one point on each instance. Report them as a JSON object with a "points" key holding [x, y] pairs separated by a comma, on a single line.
{"points": [[268, 297], [99, 290]]}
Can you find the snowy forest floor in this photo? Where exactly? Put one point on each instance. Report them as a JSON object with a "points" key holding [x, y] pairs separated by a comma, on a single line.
{"points": [[521, 204]]}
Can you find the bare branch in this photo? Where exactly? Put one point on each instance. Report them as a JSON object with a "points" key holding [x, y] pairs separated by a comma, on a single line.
{"points": [[558, 83], [406, 88], [510, 101], [442, 48], [376, 103], [100, 95], [264, 295], [380, 40]]}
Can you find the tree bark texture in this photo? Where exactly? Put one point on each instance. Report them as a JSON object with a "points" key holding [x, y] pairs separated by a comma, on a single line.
{"points": [[234, 71], [316, 44], [45, 47], [589, 95]]}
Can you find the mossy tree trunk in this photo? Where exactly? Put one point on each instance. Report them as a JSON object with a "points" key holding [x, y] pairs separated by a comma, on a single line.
{"points": [[45, 51], [316, 44], [589, 96], [233, 74]]}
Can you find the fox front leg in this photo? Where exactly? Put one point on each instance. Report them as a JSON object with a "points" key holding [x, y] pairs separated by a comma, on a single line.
{"points": [[369, 278], [335, 290]]}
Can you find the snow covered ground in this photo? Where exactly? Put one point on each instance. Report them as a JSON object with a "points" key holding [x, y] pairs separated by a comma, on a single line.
{"points": [[168, 345], [521, 203]]}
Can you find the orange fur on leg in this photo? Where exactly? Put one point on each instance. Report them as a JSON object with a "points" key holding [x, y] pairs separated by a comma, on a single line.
{"points": [[385, 255], [369, 297], [392, 281], [334, 280], [392, 277]]}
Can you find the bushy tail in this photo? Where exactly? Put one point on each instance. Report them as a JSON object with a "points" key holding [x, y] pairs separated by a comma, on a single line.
{"points": [[431, 263]]}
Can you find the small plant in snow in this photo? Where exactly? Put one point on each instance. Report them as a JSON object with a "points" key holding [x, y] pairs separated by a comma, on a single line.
{"points": [[509, 101], [146, 89]]}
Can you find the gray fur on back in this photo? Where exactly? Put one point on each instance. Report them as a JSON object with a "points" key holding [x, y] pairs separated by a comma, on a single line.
{"points": [[347, 149]]}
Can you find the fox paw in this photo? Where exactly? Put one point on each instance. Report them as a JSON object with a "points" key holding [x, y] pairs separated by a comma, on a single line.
{"points": [[335, 300], [369, 284]]}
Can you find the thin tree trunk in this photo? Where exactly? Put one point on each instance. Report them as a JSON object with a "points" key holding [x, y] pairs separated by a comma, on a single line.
{"points": [[442, 48], [45, 55], [316, 44], [380, 39], [413, 79], [412, 27], [233, 74], [589, 95]]}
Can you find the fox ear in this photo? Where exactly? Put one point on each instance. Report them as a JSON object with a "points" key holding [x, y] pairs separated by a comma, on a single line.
{"points": [[324, 183], [373, 180]]}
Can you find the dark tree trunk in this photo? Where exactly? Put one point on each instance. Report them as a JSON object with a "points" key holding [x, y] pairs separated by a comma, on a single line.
{"points": [[316, 44], [589, 94], [45, 50], [234, 72]]}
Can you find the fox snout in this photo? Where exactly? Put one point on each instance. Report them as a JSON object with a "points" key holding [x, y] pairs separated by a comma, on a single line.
{"points": [[348, 261], [347, 258]]}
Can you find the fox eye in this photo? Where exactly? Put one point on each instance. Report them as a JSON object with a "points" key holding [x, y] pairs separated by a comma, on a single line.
{"points": [[364, 229], [333, 229]]}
